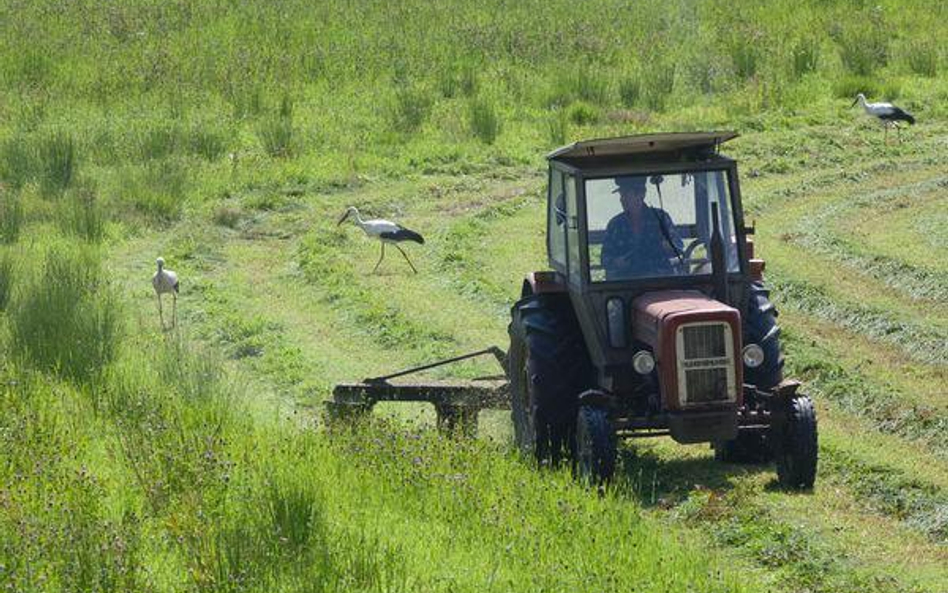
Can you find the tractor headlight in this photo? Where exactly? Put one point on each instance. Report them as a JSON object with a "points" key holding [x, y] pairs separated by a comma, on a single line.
{"points": [[615, 322], [643, 362], [753, 355]]}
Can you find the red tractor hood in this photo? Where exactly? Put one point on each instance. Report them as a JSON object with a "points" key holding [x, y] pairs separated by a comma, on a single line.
{"points": [[656, 322]]}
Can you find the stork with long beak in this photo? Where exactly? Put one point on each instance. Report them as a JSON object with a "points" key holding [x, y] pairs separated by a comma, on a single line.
{"points": [[887, 113], [385, 231], [165, 281]]}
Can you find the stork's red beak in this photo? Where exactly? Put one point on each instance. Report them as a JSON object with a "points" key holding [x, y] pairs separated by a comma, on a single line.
{"points": [[343, 219], [854, 102]]}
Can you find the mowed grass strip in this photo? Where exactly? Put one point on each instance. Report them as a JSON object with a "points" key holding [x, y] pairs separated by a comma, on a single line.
{"points": [[846, 295], [779, 168], [429, 314], [489, 253], [825, 234], [877, 391], [907, 231]]}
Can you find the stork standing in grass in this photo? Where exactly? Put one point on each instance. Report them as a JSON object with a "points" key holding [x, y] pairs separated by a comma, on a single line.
{"points": [[385, 231], [887, 113], [166, 281]]}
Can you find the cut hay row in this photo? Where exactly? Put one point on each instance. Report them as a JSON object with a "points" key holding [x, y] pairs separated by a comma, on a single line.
{"points": [[820, 233]]}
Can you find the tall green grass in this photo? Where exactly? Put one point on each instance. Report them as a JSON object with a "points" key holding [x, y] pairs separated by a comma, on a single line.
{"points": [[11, 217], [558, 127], [923, 57], [155, 191], [484, 120], [411, 107], [58, 530], [213, 87], [166, 481], [7, 271], [460, 79], [863, 43], [82, 215], [17, 163], [805, 55], [57, 155], [65, 319]]}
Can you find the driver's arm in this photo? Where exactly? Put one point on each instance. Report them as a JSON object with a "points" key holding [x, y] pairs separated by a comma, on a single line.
{"points": [[673, 233], [610, 257]]}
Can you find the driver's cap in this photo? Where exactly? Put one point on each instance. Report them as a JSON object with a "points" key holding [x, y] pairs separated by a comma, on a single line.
{"points": [[629, 183]]}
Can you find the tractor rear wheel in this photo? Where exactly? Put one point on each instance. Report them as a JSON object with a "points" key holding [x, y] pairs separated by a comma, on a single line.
{"points": [[595, 445], [548, 367], [797, 447], [760, 327]]}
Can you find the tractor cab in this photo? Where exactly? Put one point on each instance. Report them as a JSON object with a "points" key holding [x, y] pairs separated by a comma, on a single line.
{"points": [[631, 216], [634, 201], [653, 318], [658, 205]]}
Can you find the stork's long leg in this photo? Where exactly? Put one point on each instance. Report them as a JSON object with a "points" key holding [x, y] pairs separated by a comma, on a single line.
{"points": [[381, 257], [161, 314], [898, 131], [405, 255]]}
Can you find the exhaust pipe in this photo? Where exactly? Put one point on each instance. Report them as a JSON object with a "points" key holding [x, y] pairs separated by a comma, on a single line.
{"points": [[718, 266]]}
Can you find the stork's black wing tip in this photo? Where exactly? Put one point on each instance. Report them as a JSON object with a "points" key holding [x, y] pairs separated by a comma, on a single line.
{"points": [[403, 234], [900, 114]]}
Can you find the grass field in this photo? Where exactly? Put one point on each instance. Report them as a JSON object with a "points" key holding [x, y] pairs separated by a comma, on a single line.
{"points": [[229, 137]]}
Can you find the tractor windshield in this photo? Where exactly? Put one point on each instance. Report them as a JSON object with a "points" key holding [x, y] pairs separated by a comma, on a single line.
{"points": [[654, 226]]}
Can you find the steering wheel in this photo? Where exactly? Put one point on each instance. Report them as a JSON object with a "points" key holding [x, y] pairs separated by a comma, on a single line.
{"points": [[695, 264]]}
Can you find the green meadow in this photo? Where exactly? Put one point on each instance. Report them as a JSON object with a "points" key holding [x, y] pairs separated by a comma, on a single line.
{"points": [[228, 137]]}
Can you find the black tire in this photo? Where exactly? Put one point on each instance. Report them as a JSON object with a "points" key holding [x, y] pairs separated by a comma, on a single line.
{"points": [[548, 368], [797, 450], [595, 445], [760, 327]]}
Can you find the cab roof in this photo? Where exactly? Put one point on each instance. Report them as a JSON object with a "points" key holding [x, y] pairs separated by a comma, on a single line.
{"points": [[638, 146]]}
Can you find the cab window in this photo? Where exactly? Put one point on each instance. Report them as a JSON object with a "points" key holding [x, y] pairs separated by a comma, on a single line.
{"points": [[556, 221], [653, 226], [572, 229]]}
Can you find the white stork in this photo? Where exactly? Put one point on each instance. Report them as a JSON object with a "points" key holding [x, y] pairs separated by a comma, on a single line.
{"points": [[385, 231], [166, 281], [887, 113]]}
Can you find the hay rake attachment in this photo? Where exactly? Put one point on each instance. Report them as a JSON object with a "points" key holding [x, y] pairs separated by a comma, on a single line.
{"points": [[457, 403]]}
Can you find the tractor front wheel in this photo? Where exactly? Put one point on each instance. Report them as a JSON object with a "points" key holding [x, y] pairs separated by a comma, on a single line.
{"points": [[797, 445], [595, 445]]}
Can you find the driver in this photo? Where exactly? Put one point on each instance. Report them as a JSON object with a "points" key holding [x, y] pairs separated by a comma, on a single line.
{"points": [[641, 241]]}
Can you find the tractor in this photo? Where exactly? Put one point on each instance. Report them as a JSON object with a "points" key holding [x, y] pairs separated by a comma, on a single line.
{"points": [[653, 319]]}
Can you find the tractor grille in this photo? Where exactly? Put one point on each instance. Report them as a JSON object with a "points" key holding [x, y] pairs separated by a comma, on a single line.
{"points": [[704, 341], [707, 363], [706, 385]]}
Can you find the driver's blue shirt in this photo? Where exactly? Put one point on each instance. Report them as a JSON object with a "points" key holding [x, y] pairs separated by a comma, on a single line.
{"points": [[648, 250]]}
